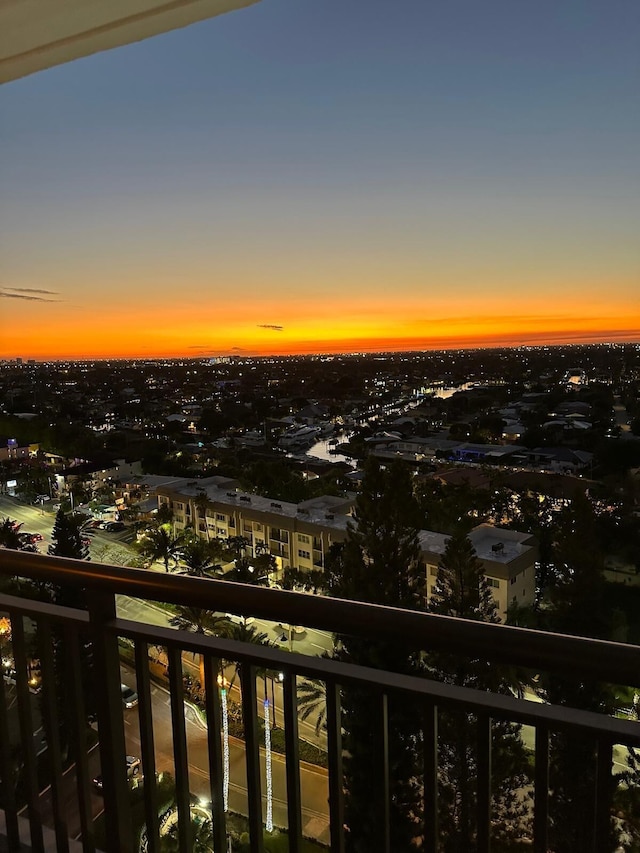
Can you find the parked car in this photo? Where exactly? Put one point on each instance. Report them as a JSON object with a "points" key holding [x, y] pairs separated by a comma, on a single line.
{"points": [[36, 537], [129, 696], [134, 772], [113, 526]]}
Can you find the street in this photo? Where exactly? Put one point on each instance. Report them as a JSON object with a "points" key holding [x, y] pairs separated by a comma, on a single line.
{"points": [[313, 780]]}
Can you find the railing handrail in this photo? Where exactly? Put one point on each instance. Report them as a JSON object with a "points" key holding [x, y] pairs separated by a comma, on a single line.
{"points": [[602, 660], [619, 731], [498, 705], [505, 706]]}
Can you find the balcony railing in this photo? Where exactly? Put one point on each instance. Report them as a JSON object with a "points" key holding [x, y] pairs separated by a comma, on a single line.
{"points": [[572, 656]]}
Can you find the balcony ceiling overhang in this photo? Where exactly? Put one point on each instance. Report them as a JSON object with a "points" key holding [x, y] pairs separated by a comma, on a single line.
{"points": [[38, 34]]}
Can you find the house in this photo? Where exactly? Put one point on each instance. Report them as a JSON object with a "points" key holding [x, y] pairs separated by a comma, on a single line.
{"points": [[93, 475], [11, 448]]}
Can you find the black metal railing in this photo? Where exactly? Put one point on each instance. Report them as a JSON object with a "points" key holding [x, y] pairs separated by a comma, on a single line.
{"points": [[593, 659]]}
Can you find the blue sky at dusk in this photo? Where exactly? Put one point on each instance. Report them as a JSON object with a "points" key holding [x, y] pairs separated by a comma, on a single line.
{"points": [[353, 171]]}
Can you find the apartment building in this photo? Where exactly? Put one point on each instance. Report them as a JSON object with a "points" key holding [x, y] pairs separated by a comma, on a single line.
{"points": [[508, 558], [300, 535]]}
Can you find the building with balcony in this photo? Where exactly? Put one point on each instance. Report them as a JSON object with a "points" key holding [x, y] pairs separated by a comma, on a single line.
{"points": [[300, 535]]}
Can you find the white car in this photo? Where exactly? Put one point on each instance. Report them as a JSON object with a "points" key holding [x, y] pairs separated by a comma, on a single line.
{"points": [[129, 696], [134, 772]]}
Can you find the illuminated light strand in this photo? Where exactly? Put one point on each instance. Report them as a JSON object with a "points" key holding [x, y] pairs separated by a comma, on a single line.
{"points": [[267, 748], [225, 750]]}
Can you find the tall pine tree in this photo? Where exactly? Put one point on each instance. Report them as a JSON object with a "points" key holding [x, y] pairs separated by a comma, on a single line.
{"points": [[575, 605], [380, 563], [67, 537], [69, 540], [462, 591]]}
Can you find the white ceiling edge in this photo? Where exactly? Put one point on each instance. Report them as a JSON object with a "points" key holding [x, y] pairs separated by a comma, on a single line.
{"points": [[38, 34]]}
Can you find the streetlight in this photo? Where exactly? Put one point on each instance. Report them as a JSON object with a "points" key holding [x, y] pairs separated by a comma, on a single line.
{"points": [[280, 678]]}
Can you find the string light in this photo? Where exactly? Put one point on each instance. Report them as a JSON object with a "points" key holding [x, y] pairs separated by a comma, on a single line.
{"points": [[267, 749], [225, 749]]}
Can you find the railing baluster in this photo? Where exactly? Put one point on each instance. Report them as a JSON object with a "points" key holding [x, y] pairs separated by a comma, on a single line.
{"points": [[431, 778], [7, 773], [106, 664], [52, 730], [484, 783], [336, 775], [541, 791], [292, 757], [214, 735], [332, 615], [252, 751], [181, 764], [147, 747], [603, 790], [382, 756], [78, 735], [26, 733]]}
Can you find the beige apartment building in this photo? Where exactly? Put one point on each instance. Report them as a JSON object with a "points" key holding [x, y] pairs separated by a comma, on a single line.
{"points": [[300, 535], [508, 559]]}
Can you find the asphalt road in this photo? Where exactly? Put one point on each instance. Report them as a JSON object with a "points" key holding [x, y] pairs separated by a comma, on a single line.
{"points": [[138, 610], [37, 519], [313, 780]]}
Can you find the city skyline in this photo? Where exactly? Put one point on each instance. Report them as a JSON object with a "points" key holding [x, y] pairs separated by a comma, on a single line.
{"points": [[328, 178]]}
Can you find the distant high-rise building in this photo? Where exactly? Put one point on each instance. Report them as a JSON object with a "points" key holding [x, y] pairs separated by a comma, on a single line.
{"points": [[18, 361]]}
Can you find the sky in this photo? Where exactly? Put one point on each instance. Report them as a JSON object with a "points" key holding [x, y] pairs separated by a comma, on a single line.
{"points": [[329, 175]]}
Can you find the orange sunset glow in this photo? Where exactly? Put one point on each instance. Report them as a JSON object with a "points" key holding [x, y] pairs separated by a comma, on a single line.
{"points": [[200, 329]]}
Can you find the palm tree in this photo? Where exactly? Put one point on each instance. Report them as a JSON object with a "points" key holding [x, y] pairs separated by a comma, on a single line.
{"points": [[198, 557], [312, 699], [201, 836], [11, 536], [265, 562], [237, 546], [201, 503], [199, 621], [158, 544], [243, 633], [247, 570]]}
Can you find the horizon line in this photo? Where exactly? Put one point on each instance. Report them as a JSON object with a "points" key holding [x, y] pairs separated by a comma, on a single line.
{"points": [[324, 353]]}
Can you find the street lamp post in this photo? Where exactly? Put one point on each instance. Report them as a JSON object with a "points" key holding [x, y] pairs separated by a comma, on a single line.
{"points": [[280, 678]]}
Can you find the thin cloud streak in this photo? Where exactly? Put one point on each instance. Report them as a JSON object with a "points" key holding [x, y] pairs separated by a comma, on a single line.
{"points": [[31, 290], [271, 326], [5, 294]]}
